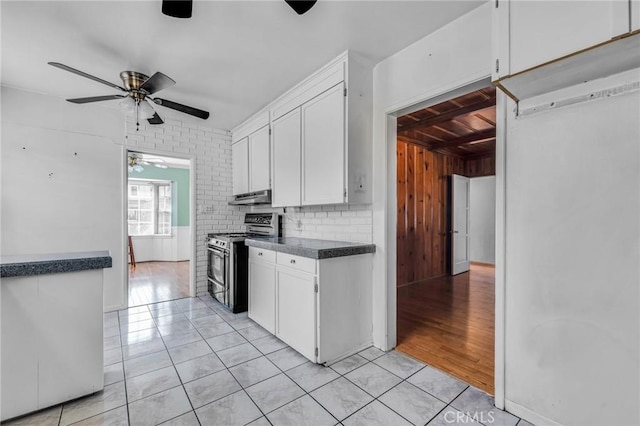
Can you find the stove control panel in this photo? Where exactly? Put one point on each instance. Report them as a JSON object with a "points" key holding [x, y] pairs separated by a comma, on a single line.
{"points": [[214, 242]]}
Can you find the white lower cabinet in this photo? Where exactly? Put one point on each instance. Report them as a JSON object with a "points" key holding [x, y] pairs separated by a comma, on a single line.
{"points": [[262, 288], [321, 308], [296, 310]]}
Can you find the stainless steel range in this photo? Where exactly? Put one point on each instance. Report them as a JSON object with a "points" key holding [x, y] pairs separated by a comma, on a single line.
{"points": [[228, 258]]}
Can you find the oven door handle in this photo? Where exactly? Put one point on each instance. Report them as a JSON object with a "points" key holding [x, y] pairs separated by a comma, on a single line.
{"points": [[217, 250]]}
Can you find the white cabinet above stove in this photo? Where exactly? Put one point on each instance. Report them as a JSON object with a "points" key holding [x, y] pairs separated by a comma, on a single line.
{"points": [[320, 147]]}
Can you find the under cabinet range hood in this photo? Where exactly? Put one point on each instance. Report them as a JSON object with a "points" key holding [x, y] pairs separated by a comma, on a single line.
{"points": [[252, 198]]}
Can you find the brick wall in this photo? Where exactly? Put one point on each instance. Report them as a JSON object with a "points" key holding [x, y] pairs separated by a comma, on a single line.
{"points": [[211, 149], [332, 222]]}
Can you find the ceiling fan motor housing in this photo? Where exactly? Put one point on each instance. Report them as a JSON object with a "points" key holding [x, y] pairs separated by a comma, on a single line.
{"points": [[132, 81]]}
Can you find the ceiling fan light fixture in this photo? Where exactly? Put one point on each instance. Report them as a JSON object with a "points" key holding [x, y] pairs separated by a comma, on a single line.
{"points": [[177, 8], [146, 110], [128, 105], [133, 165]]}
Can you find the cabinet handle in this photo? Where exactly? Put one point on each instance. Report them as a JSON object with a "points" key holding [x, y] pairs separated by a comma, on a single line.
{"points": [[292, 261], [260, 254]]}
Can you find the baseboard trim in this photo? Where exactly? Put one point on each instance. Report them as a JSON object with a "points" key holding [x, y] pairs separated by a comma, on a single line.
{"points": [[527, 414], [421, 280], [493, 265]]}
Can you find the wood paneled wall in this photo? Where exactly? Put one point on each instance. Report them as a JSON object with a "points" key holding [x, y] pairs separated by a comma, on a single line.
{"points": [[477, 167], [422, 246], [422, 211]]}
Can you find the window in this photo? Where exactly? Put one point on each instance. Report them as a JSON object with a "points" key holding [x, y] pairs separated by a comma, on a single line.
{"points": [[149, 210]]}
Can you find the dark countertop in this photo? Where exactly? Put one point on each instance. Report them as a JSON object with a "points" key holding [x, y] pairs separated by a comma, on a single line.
{"points": [[54, 263], [315, 249]]}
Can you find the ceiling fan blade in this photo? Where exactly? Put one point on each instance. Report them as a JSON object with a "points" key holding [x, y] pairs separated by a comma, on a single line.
{"points": [[157, 82], [182, 108], [177, 8], [85, 75], [95, 99], [155, 119], [301, 6]]}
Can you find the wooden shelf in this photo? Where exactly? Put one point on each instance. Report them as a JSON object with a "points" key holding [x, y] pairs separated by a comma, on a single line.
{"points": [[602, 60]]}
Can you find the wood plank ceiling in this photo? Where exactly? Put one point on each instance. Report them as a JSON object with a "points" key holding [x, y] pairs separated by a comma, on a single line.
{"points": [[464, 127]]}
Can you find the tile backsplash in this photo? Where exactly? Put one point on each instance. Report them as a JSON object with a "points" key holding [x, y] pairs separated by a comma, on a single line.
{"points": [[331, 222]]}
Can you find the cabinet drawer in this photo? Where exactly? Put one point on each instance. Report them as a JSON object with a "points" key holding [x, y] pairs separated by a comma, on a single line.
{"points": [[256, 253], [300, 263]]}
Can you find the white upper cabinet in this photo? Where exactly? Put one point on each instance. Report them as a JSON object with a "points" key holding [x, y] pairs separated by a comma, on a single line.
{"points": [[286, 160], [251, 155], [321, 137], [635, 15], [323, 148], [259, 160], [542, 46], [240, 166]]}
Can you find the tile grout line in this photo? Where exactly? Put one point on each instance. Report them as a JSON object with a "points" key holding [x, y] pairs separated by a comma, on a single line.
{"points": [[282, 371], [225, 366]]}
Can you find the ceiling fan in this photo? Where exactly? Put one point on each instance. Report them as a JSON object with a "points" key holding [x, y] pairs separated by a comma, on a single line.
{"points": [[137, 92], [184, 8], [136, 161]]}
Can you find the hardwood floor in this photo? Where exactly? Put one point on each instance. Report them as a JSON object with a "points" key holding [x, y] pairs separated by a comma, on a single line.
{"points": [[151, 282], [448, 323]]}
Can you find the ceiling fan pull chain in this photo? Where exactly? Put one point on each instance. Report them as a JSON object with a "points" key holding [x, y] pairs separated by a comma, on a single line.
{"points": [[137, 115]]}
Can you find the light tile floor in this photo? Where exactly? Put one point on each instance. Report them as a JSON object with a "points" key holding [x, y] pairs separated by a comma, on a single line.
{"points": [[190, 362]]}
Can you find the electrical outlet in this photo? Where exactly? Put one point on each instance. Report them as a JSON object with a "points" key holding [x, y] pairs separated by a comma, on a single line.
{"points": [[299, 225]]}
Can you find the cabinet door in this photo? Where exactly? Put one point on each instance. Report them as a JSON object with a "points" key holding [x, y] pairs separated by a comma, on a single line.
{"points": [[323, 148], [541, 31], [259, 160], [262, 294], [240, 166], [286, 160], [296, 310]]}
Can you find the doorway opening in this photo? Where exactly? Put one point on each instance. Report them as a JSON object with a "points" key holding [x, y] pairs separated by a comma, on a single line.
{"points": [[159, 250], [446, 241]]}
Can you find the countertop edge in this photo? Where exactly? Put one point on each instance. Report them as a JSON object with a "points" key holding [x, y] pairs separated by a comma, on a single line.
{"points": [[82, 261], [313, 253]]}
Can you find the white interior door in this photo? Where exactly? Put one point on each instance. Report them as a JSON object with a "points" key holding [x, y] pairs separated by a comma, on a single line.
{"points": [[459, 224]]}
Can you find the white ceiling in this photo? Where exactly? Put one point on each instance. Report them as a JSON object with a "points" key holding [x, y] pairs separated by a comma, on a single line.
{"points": [[231, 58]]}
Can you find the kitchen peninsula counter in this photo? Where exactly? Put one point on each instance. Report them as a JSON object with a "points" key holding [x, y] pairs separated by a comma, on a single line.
{"points": [[52, 329], [53, 263]]}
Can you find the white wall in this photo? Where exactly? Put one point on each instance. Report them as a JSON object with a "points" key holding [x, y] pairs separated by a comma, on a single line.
{"points": [[61, 180], [211, 149], [81, 206], [572, 277], [482, 219], [163, 248], [572, 234], [454, 56]]}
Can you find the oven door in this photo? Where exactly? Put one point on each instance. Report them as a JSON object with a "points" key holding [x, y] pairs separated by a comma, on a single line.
{"points": [[217, 273]]}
